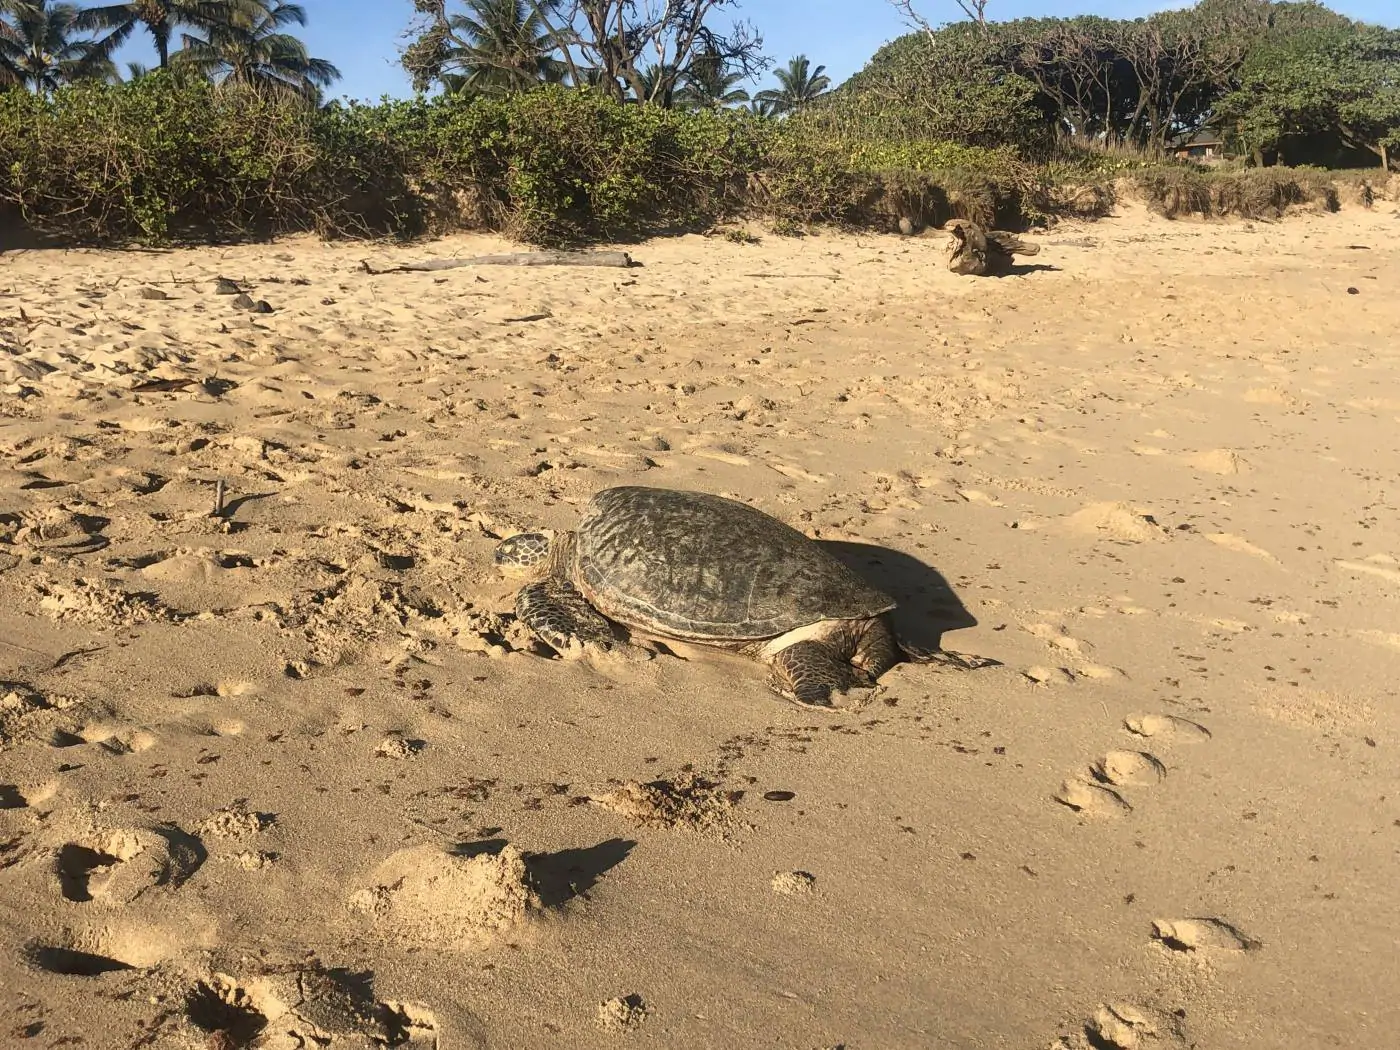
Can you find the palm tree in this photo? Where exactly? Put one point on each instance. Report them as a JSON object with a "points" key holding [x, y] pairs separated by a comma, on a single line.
{"points": [[37, 49], [159, 17], [501, 46], [251, 49], [798, 85], [709, 84], [658, 84]]}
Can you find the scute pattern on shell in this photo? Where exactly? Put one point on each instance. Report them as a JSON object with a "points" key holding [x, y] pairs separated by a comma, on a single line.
{"points": [[696, 565]]}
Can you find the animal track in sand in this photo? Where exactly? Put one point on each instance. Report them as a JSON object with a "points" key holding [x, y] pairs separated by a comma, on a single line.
{"points": [[1128, 768], [1167, 727], [1201, 934], [1057, 638], [1041, 675], [1231, 542], [1091, 798], [1095, 792]]}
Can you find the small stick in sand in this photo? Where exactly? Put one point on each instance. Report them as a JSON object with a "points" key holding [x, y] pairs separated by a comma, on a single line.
{"points": [[619, 259], [218, 511]]}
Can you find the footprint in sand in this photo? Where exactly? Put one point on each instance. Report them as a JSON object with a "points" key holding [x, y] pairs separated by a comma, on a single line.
{"points": [[115, 866], [622, 1013], [118, 739], [465, 899], [113, 947], [1125, 1026], [1201, 935], [67, 961], [793, 883], [301, 1004], [18, 796]]}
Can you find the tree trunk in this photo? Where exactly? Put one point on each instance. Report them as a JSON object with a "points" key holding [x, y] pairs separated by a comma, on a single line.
{"points": [[1385, 158]]}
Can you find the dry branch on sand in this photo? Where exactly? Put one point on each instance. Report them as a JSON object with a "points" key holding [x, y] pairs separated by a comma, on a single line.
{"points": [[618, 259]]}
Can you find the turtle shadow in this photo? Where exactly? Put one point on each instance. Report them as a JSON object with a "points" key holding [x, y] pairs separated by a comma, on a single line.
{"points": [[928, 605]]}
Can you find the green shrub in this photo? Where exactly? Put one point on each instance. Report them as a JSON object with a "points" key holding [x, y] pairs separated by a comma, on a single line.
{"points": [[156, 161]]}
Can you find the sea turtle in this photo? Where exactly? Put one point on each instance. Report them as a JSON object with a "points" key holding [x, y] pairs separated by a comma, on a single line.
{"points": [[700, 568], [978, 252]]}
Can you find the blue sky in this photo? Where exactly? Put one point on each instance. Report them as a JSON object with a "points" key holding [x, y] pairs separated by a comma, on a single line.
{"points": [[363, 37]]}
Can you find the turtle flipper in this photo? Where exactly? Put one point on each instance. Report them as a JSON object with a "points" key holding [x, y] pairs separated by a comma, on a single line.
{"points": [[562, 618], [876, 649], [810, 672], [946, 658]]}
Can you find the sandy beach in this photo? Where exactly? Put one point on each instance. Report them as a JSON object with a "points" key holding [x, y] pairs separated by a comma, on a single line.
{"points": [[293, 775]]}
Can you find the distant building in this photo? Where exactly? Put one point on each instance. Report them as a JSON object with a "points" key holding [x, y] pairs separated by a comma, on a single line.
{"points": [[1207, 145]]}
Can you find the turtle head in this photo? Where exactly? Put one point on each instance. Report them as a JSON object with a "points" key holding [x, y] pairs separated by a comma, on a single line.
{"points": [[524, 553]]}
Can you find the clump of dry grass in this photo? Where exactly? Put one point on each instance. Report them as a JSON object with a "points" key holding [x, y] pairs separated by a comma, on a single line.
{"points": [[1361, 187], [1175, 191], [1267, 193], [1080, 200], [1249, 193]]}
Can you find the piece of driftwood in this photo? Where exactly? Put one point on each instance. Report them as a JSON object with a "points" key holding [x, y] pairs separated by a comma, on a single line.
{"points": [[976, 252], [823, 276], [162, 385], [619, 259]]}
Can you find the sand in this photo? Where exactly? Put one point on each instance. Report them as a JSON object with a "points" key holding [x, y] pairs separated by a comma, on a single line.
{"points": [[294, 774]]}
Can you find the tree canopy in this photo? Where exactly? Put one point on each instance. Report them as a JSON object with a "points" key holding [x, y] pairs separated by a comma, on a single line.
{"points": [[45, 44], [1292, 75]]}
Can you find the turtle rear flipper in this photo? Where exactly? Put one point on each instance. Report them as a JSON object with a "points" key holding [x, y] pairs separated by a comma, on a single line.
{"points": [[809, 672], [560, 616]]}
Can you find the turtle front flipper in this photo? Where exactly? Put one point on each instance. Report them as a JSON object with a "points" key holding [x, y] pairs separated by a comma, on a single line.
{"points": [[560, 616], [945, 657], [810, 672]]}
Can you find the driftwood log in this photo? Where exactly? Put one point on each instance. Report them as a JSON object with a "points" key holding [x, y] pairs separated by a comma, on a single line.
{"points": [[978, 252], [618, 259]]}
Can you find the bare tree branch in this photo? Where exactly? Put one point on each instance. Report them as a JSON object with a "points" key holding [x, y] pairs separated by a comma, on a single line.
{"points": [[974, 9]]}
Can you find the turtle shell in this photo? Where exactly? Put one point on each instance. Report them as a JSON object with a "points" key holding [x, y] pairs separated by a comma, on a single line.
{"points": [[698, 566]]}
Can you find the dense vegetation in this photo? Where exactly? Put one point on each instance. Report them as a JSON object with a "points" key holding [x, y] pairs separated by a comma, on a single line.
{"points": [[551, 123], [1281, 81]]}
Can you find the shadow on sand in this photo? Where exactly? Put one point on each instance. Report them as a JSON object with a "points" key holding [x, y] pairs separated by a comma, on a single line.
{"points": [[928, 606], [560, 876]]}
